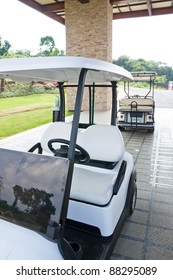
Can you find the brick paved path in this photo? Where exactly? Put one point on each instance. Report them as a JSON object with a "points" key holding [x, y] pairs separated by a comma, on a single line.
{"points": [[148, 233]]}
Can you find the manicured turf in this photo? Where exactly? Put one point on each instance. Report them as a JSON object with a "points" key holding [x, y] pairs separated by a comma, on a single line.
{"points": [[19, 114]]}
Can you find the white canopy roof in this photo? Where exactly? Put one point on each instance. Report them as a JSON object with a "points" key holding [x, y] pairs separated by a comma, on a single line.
{"points": [[61, 69]]}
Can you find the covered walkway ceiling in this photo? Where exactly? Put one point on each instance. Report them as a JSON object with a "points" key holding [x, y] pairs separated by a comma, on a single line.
{"points": [[55, 9]]}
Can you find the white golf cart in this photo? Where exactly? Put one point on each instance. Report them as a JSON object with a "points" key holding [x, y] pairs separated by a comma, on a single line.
{"points": [[136, 110], [69, 195]]}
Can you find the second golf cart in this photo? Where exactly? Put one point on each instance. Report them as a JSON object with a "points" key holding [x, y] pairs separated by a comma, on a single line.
{"points": [[137, 110]]}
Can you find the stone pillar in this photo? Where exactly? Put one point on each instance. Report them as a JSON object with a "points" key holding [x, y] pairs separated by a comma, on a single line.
{"points": [[89, 34]]}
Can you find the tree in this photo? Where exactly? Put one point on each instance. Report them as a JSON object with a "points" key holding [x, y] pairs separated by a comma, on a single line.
{"points": [[18, 192], [35, 199], [2, 85], [4, 47], [21, 53], [125, 62], [48, 47]]}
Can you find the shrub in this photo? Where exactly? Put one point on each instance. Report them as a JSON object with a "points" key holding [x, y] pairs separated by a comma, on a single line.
{"points": [[22, 89]]}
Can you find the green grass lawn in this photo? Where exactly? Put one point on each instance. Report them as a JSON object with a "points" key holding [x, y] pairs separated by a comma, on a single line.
{"points": [[12, 104], [19, 114]]}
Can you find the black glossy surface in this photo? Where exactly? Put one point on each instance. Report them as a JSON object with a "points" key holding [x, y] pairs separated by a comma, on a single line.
{"points": [[32, 188], [93, 246]]}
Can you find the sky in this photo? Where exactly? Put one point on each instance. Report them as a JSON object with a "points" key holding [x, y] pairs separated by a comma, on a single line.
{"points": [[149, 38]]}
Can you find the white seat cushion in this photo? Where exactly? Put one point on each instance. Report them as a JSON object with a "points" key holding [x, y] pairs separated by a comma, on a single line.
{"points": [[92, 185], [55, 130], [102, 142]]}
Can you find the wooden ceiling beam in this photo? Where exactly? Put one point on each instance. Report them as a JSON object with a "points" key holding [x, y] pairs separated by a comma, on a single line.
{"points": [[32, 4], [155, 12], [39, 8], [162, 11], [55, 17], [115, 1], [53, 7]]}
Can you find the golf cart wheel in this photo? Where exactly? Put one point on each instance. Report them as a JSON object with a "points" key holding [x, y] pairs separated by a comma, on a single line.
{"points": [[121, 128], [150, 130], [133, 198]]}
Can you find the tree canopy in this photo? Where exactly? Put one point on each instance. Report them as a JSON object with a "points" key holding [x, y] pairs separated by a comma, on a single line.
{"points": [[164, 72], [47, 47]]}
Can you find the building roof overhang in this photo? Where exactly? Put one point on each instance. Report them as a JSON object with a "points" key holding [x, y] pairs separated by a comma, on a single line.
{"points": [[55, 9]]}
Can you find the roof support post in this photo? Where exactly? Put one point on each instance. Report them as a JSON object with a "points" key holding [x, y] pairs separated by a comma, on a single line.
{"points": [[89, 35]]}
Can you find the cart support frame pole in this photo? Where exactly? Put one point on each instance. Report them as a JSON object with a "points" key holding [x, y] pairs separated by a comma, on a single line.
{"points": [[62, 102], [114, 104], [71, 151]]}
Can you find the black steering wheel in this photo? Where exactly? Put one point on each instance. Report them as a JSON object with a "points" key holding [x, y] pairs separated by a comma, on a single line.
{"points": [[81, 155]]}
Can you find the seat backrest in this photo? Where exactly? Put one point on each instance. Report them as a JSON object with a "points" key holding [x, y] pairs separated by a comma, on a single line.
{"points": [[140, 101], [55, 130], [102, 142]]}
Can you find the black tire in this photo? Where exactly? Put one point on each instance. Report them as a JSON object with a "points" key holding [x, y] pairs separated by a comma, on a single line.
{"points": [[132, 201], [150, 130], [121, 128]]}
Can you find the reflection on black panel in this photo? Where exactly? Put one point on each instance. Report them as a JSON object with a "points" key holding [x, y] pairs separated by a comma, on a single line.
{"points": [[31, 188]]}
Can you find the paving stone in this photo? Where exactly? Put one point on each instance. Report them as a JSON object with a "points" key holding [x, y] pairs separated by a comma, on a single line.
{"points": [[163, 197], [128, 248], [165, 174], [144, 186], [142, 204], [143, 171], [142, 165], [143, 178], [139, 217], [162, 221], [158, 253], [144, 194], [160, 236], [144, 161], [163, 208], [134, 230], [162, 180], [163, 189]]}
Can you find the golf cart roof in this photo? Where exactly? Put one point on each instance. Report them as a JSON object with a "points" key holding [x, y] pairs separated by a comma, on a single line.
{"points": [[144, 76], [61, 69]]}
